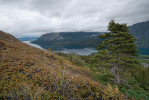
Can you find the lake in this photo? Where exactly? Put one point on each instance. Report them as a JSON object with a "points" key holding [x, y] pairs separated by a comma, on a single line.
{"points": [[143, 51], [79, 51], [34, 45]]}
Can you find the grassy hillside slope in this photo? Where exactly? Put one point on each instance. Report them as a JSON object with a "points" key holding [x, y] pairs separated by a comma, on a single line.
{"points": [[29, 73]]}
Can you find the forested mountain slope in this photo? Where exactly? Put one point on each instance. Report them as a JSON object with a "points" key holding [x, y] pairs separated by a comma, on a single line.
{"points": [[141, 33]]}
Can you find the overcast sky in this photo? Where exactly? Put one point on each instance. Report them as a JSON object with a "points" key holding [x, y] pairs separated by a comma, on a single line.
{"points": [[36, 17]]}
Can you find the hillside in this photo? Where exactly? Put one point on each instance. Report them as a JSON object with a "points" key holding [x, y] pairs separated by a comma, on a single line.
{"points": [[56, 41], [141, 33], [28, 73]]}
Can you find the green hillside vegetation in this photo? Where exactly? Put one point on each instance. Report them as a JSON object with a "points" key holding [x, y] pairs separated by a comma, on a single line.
{"points": [[143, 58], [134, 84]]}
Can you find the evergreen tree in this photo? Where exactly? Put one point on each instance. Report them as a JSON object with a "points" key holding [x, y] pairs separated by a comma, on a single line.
{"points": [[118, 49]]}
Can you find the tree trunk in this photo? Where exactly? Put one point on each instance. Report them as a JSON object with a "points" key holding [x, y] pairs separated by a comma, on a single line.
{"points": [[116, 73]]}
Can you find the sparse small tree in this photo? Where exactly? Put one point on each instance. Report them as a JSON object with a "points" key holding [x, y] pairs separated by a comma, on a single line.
{"points": [[118, 49]]}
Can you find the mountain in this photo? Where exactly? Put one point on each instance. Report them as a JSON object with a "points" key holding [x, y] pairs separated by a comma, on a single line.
{"points": [[68, 40], [28, 73], [74, 40], [141, 33]]}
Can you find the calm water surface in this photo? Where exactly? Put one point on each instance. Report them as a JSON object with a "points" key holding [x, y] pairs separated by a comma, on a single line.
{"points": [[82, 51]]}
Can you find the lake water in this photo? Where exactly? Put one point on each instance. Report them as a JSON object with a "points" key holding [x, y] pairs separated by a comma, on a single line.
{"points": [[143, 51], [34, 45], [82, 51]]}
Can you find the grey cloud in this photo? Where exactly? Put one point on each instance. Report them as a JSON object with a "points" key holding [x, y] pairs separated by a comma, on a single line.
{"points": [[35, 17]]}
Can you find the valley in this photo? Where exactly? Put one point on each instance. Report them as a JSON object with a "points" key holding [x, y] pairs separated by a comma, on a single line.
{"points": [[70, 41], [74, 50], [29, 71]]}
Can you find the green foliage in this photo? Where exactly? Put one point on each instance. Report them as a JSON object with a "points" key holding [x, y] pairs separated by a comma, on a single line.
{"points": [[75, 59], [143, 58], [136, 93], [142, 76], [130, 85]]}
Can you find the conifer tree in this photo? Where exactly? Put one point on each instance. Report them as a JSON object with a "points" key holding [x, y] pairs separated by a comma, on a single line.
{"points": [[117, 50]]}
